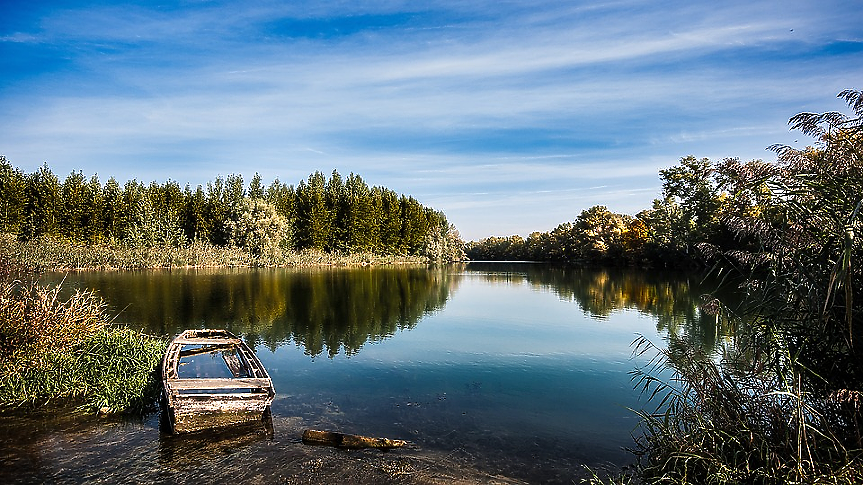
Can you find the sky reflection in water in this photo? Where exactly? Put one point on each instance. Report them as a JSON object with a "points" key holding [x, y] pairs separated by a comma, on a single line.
{"points": [[520, 370]]}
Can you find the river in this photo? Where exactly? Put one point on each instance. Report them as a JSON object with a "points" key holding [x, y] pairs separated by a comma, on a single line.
{"points": [[495, 372]]}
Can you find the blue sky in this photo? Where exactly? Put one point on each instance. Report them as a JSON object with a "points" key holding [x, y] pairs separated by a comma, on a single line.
{"points": [[509, 116]]}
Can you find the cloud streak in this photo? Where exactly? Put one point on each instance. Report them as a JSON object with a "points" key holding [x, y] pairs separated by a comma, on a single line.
{"points": [[506, 116]]}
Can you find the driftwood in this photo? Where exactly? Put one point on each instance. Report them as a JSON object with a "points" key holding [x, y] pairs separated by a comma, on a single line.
{"points": [[339, 440]]}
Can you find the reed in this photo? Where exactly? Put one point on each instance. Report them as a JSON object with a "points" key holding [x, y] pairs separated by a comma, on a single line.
{"points": [[118, 369], [717, 423], [34, 322], [56, 254], [54, 350]]}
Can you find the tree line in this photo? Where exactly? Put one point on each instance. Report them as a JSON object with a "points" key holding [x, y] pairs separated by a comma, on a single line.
{"points": [[699, 199], [783, 403], [327, 214], [703, 206]]}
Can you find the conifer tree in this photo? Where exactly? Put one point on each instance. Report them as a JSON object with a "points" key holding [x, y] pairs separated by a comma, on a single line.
{"points": [[361, 230], [256, 190], [12, 197], [112, 206], [93, 207], [339, 211], [282, 197], [43, 204], [72, 209]]}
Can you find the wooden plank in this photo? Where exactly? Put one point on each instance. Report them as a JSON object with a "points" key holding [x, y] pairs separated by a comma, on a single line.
{"points": [[232, 361], [339, 440], [206, 349], [221, 398], [169, 364], [205, 341], [218, 383]]}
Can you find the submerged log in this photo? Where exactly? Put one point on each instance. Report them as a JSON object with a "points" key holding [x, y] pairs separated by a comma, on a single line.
{"points": [[339, 440]]}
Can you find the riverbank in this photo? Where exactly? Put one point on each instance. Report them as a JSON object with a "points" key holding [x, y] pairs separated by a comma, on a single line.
{"points": [[59, 255], [58, 351]]}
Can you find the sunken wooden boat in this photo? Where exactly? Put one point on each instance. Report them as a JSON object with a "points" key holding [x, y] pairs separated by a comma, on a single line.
{"points": [[212, 379]]}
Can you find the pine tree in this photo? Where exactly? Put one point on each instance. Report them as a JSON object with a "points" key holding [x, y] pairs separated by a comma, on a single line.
{"points": [[12, 197], [282, 197], [92, 213], [339, 212], [314, 220], [43, 204], [414, 225], [72, 209], [112, 207], [256, 190], [361, 228], [390, 221]]}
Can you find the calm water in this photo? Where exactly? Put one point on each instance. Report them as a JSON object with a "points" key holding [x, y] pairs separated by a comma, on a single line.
{"points": [[495, 372]]}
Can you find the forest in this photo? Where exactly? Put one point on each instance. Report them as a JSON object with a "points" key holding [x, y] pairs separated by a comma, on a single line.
{"points": [[332, 214], [701, 201], [783, 403], [709, 208]]}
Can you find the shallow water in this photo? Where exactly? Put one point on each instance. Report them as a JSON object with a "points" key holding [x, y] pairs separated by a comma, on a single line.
{"points": [[493, 372]]}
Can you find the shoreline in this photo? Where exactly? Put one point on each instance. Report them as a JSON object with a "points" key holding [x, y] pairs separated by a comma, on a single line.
{"points": [[54, 254]]}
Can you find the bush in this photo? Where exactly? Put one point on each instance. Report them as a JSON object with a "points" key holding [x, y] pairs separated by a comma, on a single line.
{"points": [[55, 350], [259, 228]]}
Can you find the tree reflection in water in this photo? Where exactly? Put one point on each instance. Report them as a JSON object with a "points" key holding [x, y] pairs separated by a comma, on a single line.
{"points": [[325, 310], [333, 310], [674, 299], [490, 367]]}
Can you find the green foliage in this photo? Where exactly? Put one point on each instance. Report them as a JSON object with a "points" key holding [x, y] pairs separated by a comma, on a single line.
{"points": [[332, 215], [259, 228], [13, 200], [692, 184], [59, 254], [784, 406], [714, 425], [118, 370], [43, 200], [443, 242], [52, 349], [596, 236]]}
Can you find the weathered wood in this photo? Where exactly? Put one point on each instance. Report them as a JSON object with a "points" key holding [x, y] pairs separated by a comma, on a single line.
{"points": [[206, 349], [232, 361], [218, 383], [206, 341], [195, 403], [340, 440], [219, 399]]}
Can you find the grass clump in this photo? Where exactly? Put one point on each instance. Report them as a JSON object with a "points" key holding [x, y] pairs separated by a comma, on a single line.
{"points": [[55, 350], [717, 425], [51, 253]]}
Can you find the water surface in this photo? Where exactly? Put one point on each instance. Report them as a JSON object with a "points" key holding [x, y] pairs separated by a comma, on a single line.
{"points": [[494, 372]]}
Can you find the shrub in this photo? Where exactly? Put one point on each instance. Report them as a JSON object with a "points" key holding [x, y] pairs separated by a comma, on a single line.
{"points": [[54, 350]]}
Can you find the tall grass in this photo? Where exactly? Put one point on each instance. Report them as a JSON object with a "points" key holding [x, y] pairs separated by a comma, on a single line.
{"points": [[715, 425], [785, 404], [54, 350], [57, 254], [35, 323]]}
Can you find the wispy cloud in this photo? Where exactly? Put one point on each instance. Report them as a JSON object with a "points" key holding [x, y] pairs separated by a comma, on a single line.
{"points": [[508, 116]]}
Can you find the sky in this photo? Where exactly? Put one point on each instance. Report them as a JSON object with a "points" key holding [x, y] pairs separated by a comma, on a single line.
{"points": [[509, 116]]}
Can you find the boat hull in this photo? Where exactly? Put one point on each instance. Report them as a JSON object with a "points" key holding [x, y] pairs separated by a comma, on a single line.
{"points": [[194, 403], [190, 414]]}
